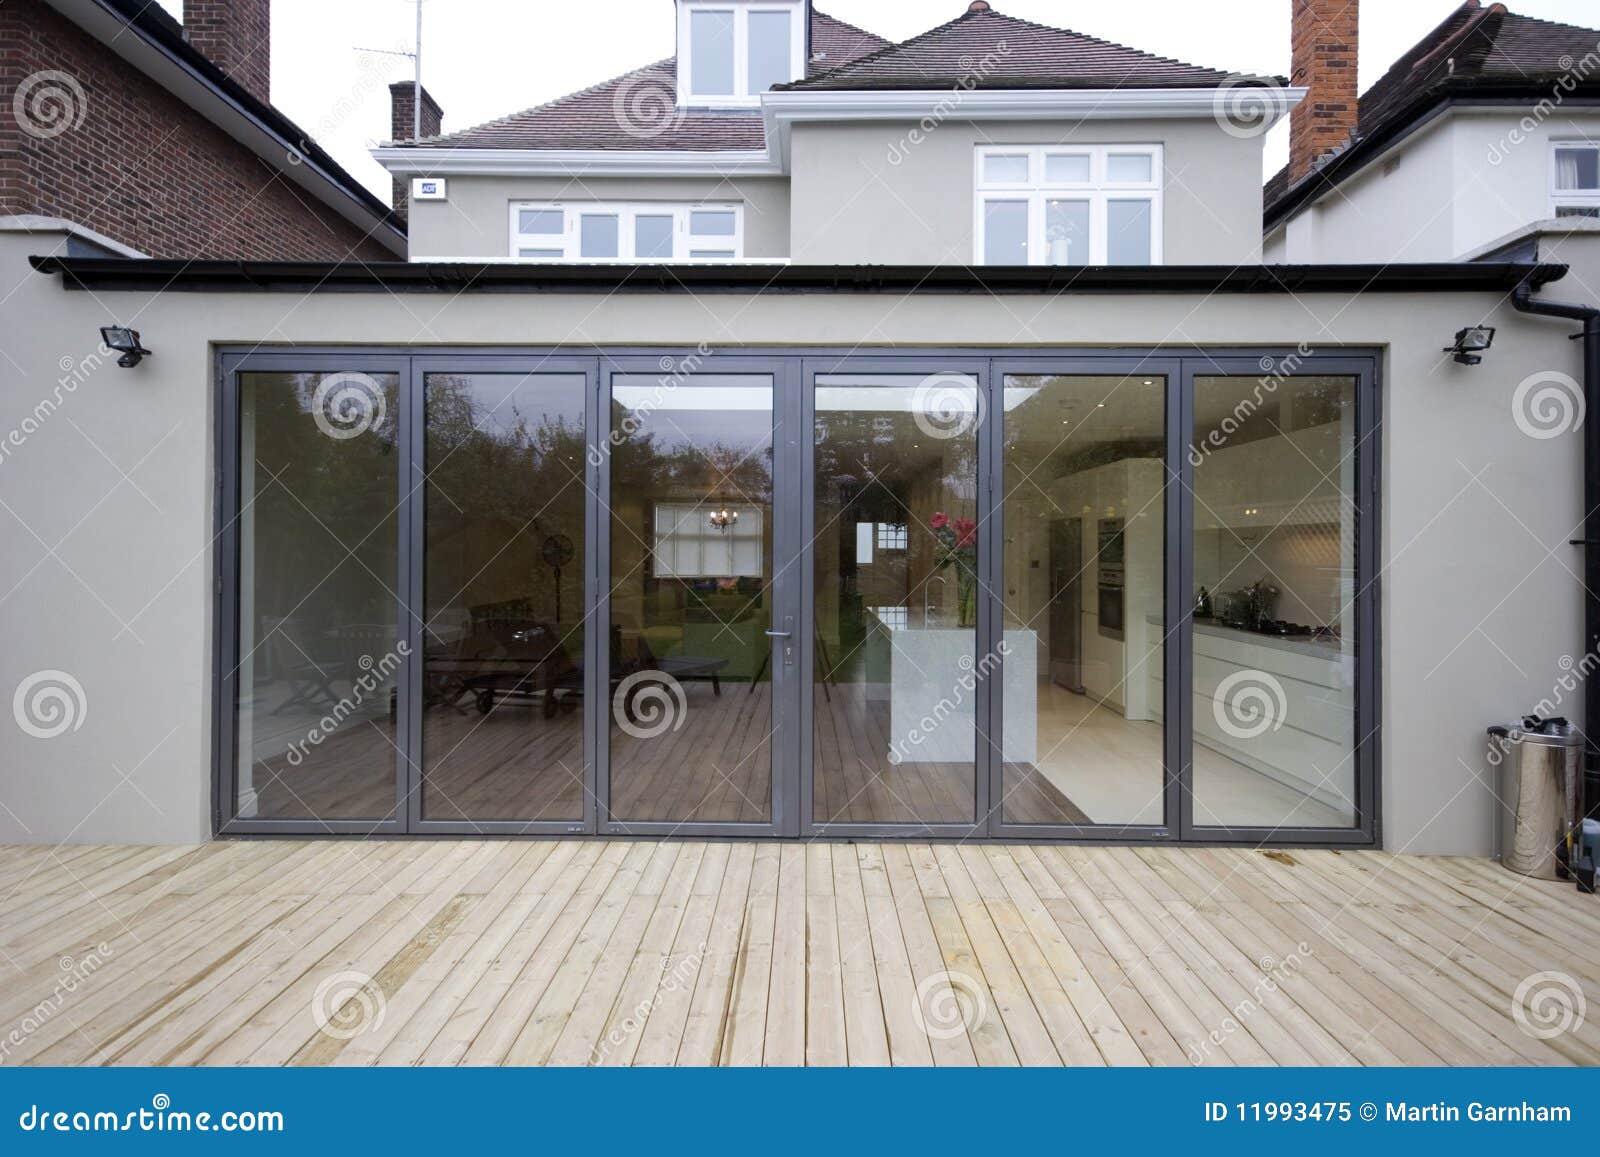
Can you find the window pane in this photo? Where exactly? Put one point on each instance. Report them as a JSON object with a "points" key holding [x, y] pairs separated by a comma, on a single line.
{"points": [[1275, 584], [1083, 599], [1578, 211], [1129, 168], [690, 699], [652, 237], [1066, 168], [541, 254], [711, 223], [894, 668], [1007, 169], [711, 51], [1066, 231], [320, 656], [711, 254], [1005, 233], [1578, 168], [769, 50], [503, 633], [597, 235], [549, 222], [1128, 232]]}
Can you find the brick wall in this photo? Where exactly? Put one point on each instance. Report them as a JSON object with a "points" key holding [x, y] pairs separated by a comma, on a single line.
{"points": [[402, 102], [236, 36], [1324, 45], [144, 168]]}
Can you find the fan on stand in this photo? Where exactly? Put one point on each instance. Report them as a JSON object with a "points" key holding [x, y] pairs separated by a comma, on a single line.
{"points": [[558, 551]]}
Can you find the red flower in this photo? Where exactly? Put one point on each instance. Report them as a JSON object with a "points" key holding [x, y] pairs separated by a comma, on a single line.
{"points": [[939, 521], [966, 531]]}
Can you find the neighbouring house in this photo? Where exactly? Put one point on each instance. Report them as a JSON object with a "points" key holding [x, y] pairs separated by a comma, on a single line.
{"points": [[803, 436], [138, 136]]}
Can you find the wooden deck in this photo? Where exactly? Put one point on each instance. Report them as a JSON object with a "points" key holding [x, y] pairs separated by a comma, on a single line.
{"points": [[693, 953]]}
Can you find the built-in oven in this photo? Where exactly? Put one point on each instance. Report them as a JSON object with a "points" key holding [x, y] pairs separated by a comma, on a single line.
{"points": [[1111, 575]]}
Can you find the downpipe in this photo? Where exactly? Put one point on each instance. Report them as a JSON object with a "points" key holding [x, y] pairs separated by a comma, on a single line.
{"points": [[1589, 316]]}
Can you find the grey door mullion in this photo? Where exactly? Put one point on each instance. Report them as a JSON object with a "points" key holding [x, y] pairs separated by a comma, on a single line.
{"points": [[413, 608], [1178, 653]]}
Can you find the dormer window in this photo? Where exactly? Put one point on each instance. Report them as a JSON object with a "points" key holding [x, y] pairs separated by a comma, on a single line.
{"points": [[732, 51]]}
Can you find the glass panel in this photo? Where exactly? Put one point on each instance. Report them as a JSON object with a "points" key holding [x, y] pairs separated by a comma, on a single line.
{"points": [[1083, 590], [1128, 232], [540, 254], [320, 654], [652, 236], [1006, 168], [770, 61], [691, 598], [1066, 232], [1274, 571], [711, 53], [1005, 233], [549, 222], [597, 235], [1129, 168], [1578, 168], [1578, 211], [1066, 168], [895, 623], [711, 223], [502, 712]]}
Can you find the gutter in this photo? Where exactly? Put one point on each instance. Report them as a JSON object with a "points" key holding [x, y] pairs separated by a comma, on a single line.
{"points": [[1523, 300], [178, 276]]}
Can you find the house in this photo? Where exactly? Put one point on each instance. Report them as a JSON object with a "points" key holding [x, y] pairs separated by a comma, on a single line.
{"points": [[806, 436], [1484, 138], [141, 137]]}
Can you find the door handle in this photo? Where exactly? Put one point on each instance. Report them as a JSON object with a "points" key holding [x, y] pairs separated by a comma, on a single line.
{"points": [[779, 634]]}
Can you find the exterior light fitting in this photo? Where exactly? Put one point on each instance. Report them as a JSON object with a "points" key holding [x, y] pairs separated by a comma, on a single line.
{"points": [[126, 342], [1471, 342]]}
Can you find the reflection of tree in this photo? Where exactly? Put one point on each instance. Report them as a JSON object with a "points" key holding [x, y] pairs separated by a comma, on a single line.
{"points": [[664, 467]]}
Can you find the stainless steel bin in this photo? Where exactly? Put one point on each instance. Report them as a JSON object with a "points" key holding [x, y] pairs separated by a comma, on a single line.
{"points": [[1538, 791]]}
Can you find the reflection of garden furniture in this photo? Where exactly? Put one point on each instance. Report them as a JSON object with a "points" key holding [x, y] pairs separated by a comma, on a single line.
{"points": [[309, 676], [683, 668]]}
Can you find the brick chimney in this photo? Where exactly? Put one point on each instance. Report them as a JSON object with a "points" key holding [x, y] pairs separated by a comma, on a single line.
{"points": [[1323, 44], [402, 96], [236, 36]]}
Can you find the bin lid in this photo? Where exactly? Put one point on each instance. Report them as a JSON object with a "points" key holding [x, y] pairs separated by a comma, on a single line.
{"points": [[1552, 732]]}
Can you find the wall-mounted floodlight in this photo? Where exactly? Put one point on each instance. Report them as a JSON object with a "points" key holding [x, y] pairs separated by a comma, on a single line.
{"points": [[1471, 342], [126, 342]]}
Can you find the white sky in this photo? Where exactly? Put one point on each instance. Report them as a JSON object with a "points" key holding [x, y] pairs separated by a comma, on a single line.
{"points": [[485, 58]]}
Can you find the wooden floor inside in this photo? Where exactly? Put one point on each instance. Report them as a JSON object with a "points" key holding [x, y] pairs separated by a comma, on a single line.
{"points": [[692, 953]]}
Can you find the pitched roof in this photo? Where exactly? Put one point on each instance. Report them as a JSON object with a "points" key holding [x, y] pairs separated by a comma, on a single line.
{"points": [[1476, 51], [987, 50], [638, 110]]}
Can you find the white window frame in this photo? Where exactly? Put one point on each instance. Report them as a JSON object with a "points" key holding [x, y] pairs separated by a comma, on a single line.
{"points": [[690, 526], [683, 241], [741, 96], [1098, 191], [1571, 198]]}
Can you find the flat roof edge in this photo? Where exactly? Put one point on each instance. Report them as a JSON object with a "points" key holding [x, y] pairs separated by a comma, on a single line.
{"points": [[500, 277]]}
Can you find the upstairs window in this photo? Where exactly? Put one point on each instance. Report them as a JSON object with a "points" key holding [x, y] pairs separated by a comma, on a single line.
{"points": [[730, 52], [626, 231], [1068, 205], [1575, 179]]}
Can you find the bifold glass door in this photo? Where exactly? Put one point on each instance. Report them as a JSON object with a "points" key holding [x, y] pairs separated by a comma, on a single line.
{"points": [[1110, 596]]}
